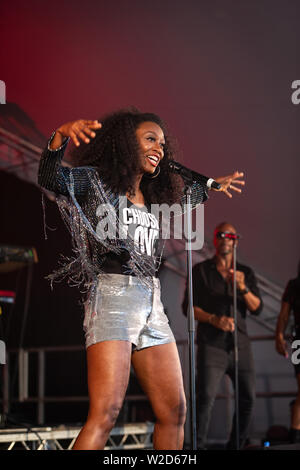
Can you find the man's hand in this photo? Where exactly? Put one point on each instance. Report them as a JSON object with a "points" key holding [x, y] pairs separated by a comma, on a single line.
{"points": [[281, 346], [240, 279], [223, 323]]}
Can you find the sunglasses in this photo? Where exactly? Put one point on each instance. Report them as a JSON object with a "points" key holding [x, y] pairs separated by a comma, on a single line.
{"points": [[231, 236]]}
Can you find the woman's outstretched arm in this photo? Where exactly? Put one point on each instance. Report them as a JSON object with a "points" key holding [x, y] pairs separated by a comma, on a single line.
{"points": [[52, 175]]}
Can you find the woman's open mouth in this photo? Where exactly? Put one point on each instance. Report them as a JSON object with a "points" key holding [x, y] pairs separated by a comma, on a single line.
{"points": [[154, 159]]}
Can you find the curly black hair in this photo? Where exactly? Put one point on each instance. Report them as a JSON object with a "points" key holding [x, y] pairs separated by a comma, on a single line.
{"points": [[114, 153]]}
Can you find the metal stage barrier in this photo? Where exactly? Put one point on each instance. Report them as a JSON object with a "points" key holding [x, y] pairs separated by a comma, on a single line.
{"points": [[61, 436], [128, 436], [40, 399]]}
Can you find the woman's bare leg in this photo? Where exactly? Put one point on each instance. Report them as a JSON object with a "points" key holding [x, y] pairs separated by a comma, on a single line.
{"points": [[158, 370], [108, 375]]}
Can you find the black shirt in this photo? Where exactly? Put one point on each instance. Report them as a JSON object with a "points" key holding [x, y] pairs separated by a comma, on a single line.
{"points": [[143, 228], [214, 294]]}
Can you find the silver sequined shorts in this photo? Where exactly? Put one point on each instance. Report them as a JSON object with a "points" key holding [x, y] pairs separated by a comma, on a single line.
{"points": [[124, 309]]}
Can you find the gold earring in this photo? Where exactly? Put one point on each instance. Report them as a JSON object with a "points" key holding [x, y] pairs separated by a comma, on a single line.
{"points": [[154, 175]]}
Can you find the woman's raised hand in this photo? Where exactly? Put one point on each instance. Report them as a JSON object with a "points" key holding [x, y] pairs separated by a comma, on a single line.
{"points": [[230, 182], [81, 129]]}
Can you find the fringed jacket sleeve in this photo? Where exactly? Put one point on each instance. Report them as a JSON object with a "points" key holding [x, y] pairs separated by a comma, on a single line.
{"points": [[54, 177]]}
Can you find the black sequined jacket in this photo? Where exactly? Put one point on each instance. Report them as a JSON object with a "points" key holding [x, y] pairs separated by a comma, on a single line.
{"points": [[79, 192]]}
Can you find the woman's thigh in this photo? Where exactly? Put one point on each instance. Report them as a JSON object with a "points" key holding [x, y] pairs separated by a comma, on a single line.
{"points": [[108, 374], [158, 370]]}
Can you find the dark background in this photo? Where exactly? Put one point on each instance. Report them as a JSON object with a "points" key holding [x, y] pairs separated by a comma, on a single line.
{"points": [[220, 74]]}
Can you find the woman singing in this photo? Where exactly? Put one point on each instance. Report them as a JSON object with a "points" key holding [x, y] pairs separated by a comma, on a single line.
{"points": [[106, 200]]}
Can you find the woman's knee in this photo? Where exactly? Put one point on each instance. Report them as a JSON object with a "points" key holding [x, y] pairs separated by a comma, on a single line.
{"points": [[104, 418], [171, 413], [181, 411]]}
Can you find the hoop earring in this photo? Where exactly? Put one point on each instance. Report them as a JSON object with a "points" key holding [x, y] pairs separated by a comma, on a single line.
{"points": [[154, 175]]}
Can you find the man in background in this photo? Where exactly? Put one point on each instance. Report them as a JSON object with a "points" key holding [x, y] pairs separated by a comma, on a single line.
{"points": [[213, 303]]}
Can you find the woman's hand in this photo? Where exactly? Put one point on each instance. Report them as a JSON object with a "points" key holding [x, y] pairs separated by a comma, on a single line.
{"points": [[81, 129], [230, 182]]}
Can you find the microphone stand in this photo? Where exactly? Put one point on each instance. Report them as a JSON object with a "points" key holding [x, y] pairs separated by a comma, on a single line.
{"points": [[190, 316], [236, 354], [188, 177]]}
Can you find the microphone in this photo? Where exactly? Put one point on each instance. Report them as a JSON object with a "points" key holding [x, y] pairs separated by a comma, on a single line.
{"points": [[191, 175]]}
